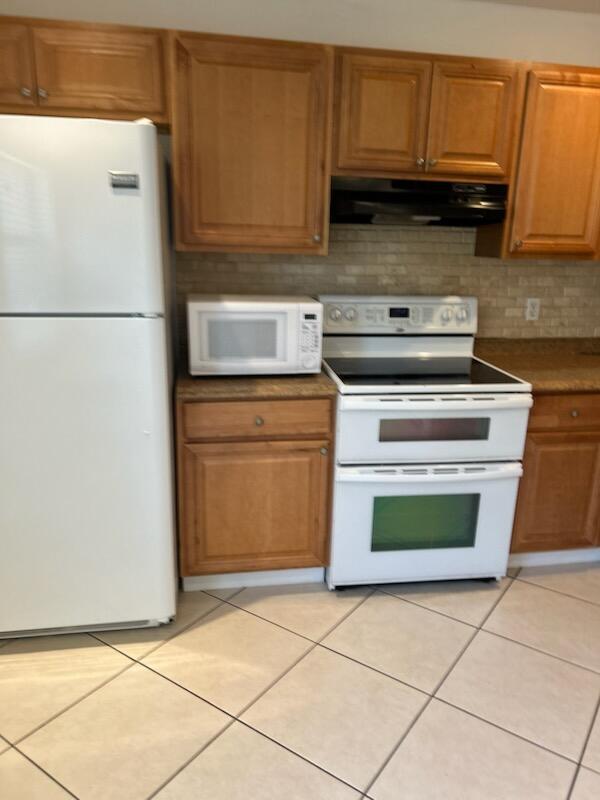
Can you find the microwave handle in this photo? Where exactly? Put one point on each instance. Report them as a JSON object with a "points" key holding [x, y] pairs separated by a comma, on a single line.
{"points": [[378, 404], [400, 475]]}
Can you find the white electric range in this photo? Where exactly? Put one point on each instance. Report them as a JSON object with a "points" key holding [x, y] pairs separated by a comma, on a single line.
{"points": [[429, 442]]}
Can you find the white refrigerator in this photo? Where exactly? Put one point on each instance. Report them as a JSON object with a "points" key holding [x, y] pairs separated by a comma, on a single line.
{"points": [[86, 498]]}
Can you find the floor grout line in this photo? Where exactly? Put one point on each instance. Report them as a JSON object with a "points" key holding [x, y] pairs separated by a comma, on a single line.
{"points": [[557, 591], [74, 703], [542, 652], [205, 613], [506, 730], [442, 613], [436, 689], [315, 644], [595, 718], [193, 758], [46, 773], [234, 593]]}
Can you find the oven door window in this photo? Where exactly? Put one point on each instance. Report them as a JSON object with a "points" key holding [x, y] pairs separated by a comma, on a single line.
{"points": [[242, 339], [424, 522], [451, 429]]}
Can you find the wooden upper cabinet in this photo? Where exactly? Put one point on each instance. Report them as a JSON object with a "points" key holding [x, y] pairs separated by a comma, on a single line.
{"points": [[557, 193], [474, 106], [251, 144], [382, 105], [17, 80], [95, 68]]}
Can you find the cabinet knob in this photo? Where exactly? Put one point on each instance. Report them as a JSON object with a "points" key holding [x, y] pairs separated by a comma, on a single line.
{"points": [[574, 413], [259, 421], [519, 243], [420, 162], [43, 94], [26, 91], [324, 451], [432, 162], [316, 237]]}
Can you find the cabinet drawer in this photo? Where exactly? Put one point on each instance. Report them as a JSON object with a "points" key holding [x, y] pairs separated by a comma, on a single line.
{"points": [[256, 419], [565, 411]]}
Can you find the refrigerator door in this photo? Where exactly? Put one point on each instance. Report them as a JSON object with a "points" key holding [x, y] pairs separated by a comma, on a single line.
{"points": [[86, 511], [70, 241]]}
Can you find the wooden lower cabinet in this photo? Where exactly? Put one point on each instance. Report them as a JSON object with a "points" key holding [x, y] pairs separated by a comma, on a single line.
{"points": [[254, 502], [559, 497]]}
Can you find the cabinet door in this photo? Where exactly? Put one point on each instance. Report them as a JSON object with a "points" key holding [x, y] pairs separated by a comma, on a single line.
{"points": [[17, 82], [251, 144], [473, 115], [559, 495], [249, 506], [557, 196], [382, 112], [89, 68]]}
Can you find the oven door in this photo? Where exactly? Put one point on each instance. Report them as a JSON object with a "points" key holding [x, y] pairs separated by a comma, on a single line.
{"points": [[422, 522], [393, 428], [253, 339]]}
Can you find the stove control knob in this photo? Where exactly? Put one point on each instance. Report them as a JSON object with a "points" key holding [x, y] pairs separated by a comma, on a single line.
{"points": [[447, 315], [462, 315], [335, 314], [350, 313]]}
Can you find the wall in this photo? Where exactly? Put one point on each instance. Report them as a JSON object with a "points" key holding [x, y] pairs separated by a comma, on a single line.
{"points": [[374, 259], [468, 27]]}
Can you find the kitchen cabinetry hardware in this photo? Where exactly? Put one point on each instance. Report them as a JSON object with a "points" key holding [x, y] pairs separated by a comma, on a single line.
{"points": [[393, 107], [251, 501], [111, 71], [259, 421], [281, 204], [559, 503]]}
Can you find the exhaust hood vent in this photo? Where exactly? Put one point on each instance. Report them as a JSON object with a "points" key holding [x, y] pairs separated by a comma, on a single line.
{"points": [[381, 201]]}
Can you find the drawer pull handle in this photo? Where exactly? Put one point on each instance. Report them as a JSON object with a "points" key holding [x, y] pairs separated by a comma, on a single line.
{"points": [[574, 413], [324, 451], [259, 421]]}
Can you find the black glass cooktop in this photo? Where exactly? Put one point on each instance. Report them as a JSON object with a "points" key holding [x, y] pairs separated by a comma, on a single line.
{"points": [[416, 371]]}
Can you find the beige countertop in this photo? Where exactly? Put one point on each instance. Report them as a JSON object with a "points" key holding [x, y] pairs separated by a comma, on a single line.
{"points": [[550, 365], [269, 387]]}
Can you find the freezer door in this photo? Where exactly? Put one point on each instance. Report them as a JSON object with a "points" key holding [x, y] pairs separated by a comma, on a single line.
{"points": [[86, 522], [70, 241]]}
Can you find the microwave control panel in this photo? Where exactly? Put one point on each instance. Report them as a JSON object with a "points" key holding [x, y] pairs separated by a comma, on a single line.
{"points": [[311, 334], [399, 315]]}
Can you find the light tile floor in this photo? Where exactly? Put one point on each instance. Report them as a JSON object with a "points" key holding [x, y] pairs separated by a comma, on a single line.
{"points": [[460, 691]]}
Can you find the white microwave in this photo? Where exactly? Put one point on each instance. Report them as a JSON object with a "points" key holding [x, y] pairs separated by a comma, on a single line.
{"points": [[253, 335]]}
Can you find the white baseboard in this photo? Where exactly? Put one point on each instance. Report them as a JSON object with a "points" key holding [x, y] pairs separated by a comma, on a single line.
{"points": [[235, 580], [550, 557]]}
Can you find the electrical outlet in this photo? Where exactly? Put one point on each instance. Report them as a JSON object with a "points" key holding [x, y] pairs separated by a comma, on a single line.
{"points": [[532, 309]]}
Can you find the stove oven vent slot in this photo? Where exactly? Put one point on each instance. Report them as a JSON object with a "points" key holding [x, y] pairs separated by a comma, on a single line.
{"points": [[445, 471], [453, 399], [474, 469], [414, 471]]}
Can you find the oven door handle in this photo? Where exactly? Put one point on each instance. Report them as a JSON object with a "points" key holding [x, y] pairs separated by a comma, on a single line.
{"points": [[468, 404], [428, 474]]}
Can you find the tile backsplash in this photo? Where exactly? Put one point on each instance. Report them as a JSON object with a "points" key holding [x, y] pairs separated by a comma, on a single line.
{"points": [[385, 259]]}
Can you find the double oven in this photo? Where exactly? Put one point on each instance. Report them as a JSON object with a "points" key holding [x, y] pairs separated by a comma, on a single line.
{"points": [[429, 442]]}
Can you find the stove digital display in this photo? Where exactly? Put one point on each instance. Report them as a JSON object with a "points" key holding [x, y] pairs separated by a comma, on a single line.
{"points": [[399, 313]]}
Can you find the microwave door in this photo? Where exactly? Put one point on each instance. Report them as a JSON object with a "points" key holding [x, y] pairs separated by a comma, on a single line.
{"points": [[246, 342]]}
